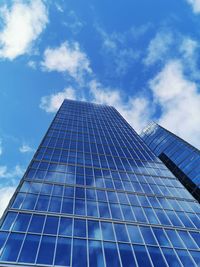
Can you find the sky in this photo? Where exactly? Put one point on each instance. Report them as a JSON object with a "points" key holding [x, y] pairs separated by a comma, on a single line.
{"points": [[141, 56]]}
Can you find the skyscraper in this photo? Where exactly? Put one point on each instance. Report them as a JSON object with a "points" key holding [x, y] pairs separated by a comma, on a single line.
{"points": [[182, 159], [95, 195]]}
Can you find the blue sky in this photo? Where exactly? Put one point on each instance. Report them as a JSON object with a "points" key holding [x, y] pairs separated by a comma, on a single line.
{"points": [[140, 56]]}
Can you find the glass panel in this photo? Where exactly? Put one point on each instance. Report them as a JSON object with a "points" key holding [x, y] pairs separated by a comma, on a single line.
{"points": [[79, 252], [121, 233], [171, 258], [47, 245], [36, 224], [94, 230], [111, 254], [195, 255], [8, 221], [185, 258], [126, 255], [29, 249], [79, 228], [107, 231], [134, 234], [51, 225], [141, 256], [63, 251], [156, 257], [22, 222], [95, 254], [161, 237], [3, 237], [12, 247], [29, 202], [148, 235], [174, 238], [65, 226], [187, 240]]}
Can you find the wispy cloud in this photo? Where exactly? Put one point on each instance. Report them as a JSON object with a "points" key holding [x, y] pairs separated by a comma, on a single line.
{"points": [[6, 172], [195, 4], [158, 47], [117, 47], [6, 194], [179, 101], [67, 58], [52, 102], [22, 23], [25, 148]]}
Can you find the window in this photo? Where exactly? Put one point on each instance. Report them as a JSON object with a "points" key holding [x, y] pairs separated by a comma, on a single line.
{"points": [[36, 224], [47, 245], [65, 226], [95, 254], [9, 220], [29, 248], [126, 255], [79, 252], [12, 247], [111, 254], [141, 256], [51, 225], [63, 251]]}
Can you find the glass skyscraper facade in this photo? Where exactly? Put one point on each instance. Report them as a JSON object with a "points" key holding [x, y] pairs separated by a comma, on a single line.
{"points": [[95, 195], [179, 156]]}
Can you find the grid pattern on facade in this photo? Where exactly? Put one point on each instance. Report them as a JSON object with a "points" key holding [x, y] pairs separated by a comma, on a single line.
{"points": [[180, 157], [95, 195]]}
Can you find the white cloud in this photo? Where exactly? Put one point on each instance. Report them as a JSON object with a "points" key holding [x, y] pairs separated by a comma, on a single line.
{"points": [[22, 24], [135, 110], [6, 194], [195, 5], [67, 58], [52, 102], [158, 47], [32, 64], [179, 100], [17, 171], [24, 148]]}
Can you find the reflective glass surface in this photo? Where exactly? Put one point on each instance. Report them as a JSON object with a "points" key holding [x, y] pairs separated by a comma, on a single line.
{"points": [[95, 195]]}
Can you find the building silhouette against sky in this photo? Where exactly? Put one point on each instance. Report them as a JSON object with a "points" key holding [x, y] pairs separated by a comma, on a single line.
{"points": [[179, 156], [95, 195]]}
